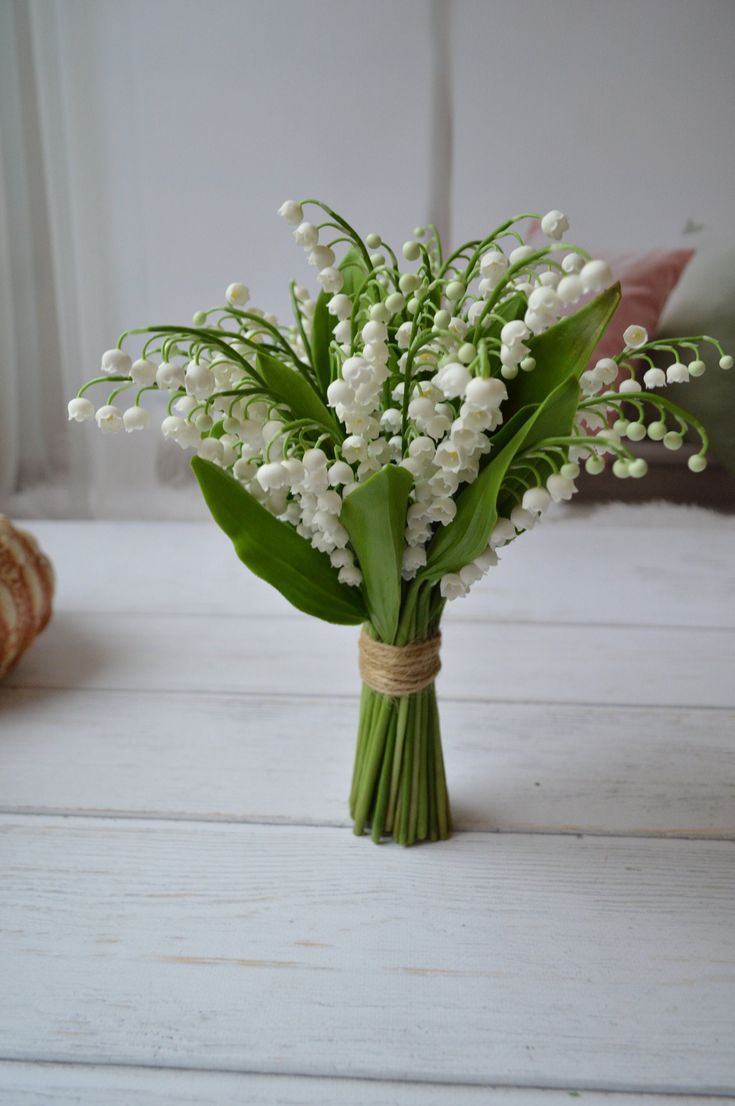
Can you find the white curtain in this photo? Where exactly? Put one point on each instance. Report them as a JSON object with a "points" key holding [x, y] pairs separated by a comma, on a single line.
{"points": [[141, 173], [34, 453]]}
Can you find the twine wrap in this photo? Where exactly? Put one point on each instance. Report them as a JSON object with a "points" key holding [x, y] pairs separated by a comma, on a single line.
{"points": [[399, 669]]}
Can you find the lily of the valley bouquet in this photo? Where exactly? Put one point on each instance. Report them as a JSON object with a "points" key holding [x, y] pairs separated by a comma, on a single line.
{"points": [[369, 457]]}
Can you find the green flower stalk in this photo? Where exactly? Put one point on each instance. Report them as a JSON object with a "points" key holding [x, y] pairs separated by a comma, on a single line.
{"points": [[371, 456]]}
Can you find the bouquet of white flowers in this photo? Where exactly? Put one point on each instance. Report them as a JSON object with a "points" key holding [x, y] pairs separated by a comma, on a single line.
{"points": [[370, 457]]}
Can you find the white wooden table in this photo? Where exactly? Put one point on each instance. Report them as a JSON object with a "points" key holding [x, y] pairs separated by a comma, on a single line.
{"points": [[187, 918]]}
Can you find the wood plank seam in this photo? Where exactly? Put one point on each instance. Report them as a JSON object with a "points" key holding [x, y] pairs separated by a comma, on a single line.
{"points": [[346, 697], [120, 814]]}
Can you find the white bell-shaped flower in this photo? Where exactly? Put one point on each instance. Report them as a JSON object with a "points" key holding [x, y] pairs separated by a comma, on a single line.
{"points": [[80, 409], [136, 418], [116, 362]]}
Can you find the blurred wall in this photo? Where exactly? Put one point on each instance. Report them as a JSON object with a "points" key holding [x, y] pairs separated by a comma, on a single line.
{"points": [[170, 130]]}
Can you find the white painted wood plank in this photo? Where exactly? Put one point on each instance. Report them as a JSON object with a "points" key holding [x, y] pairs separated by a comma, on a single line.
{"points": [[545, 961], [510, 767], [619, 574], [76, 1085], [482, 661]]}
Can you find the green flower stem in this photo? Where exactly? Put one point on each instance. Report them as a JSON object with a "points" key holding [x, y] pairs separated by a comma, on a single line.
{"points": [[398, 785]]}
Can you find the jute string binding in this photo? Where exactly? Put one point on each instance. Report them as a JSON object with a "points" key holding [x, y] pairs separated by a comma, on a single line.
{"points": [[399, 669]]}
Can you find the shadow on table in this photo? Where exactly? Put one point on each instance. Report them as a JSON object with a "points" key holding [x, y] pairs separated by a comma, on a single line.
{"points": [[65, 655]]}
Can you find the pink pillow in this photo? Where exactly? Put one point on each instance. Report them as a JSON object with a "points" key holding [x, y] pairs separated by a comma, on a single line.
{"points": [[646, 282]]}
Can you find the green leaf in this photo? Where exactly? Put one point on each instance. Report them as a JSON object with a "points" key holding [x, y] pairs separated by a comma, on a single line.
{"points": [[322, 328], [468, 534], [563, 350], [374, 516], [354, 270], [289, 387], [275, 552]]}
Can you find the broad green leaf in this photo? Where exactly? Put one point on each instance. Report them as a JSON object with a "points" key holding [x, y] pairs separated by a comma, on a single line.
{"points": [[354, 270], [374, 516], [322, 328], [563, 350], [467, 535], [275, 552], [289, 387]]}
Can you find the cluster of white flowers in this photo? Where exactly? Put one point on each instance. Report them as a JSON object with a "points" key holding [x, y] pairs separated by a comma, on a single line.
{"points": [[420, 369]]}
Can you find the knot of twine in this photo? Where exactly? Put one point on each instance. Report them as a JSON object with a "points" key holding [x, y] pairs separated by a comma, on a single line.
{"points": [[399, 669]]}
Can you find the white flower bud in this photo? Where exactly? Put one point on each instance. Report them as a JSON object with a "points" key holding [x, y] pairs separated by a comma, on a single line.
{"points": [[454, 290], [411, 251], [726, 361], [607, 370], [109, 418], [470, 574], [503, 531], [403, 335], [306, 235], [452, 586], [143, 372], [537, 322], [136, 418], [374, 332], [452, 380], [514, 331], [356, 371], [544, 301], [116, 363], [395, 303], [408, 283], [677, 373], [331, 279], [343, 332], [536, 500], [199, 379], [627, 387], [80, 409], [169, 376], [486, 394], [340, 473], [321, 257], [520, 253], [560, 487], [314, 459], [237, 295], [522, 519], [673, 440], [697, 463], [210, 449], [339, 391], [292, 212], [569, 289], [594, 465], [554, 224], [350, 574], [595, 275], [272, 476], [493, 266], [487, 560], [696, 368], [572, 263], [466, 353]]}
